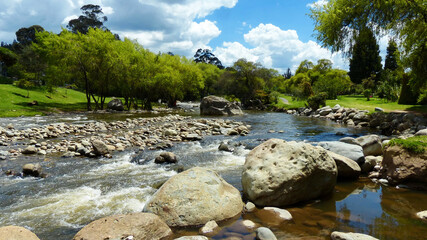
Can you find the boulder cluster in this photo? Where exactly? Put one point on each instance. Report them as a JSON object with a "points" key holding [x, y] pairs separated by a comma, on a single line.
{"points": [[387, 123]]}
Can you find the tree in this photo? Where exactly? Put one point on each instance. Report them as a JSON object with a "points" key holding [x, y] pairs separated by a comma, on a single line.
{"points": [[91, 18], [26, 36], [206, 56], [392, 59], [334, 82], [7, 59], [287, 74], [365, 59], [304, 67], [338, 22]]}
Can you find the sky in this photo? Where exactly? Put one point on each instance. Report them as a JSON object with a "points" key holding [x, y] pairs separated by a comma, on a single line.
{"points": [[276, 33]]}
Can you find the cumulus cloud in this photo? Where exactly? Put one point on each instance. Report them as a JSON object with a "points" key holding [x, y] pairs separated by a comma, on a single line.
{"points": [[318, 3], [276, 48], [160, 25]]}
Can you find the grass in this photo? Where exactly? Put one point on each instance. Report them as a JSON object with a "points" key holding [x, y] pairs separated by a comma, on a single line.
{"points": [[417, 144], [358, 101], [14, 103]]}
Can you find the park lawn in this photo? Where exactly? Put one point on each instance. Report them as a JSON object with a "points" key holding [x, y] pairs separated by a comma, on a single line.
{"points": [[14, 103], [359, 102]]}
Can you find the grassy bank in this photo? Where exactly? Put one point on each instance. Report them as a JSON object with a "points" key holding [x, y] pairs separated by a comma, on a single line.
{"points": [[14, 101], [359, 102]]}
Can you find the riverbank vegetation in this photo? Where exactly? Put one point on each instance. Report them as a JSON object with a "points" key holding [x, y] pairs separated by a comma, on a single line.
{"points": [[416, 144]]}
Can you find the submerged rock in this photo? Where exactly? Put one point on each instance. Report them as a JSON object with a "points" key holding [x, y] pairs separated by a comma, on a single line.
{"points": [[99, 147], [279, 173], [195, 197], [16, 233], [166, 157], [138, 225], [34, 170], [30, 150], [350, 236]]}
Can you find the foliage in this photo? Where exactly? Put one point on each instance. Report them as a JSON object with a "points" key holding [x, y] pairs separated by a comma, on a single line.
{"points": [[368, 94], [406, 94], [416, 144], [287, 74], [26, 36], [91, 18], [338, 22], [335, 82], [389, 86], [206, 56], [7, 57], [316, 101], [365, 58], [304, 67], [392, 59], [25, 84]]}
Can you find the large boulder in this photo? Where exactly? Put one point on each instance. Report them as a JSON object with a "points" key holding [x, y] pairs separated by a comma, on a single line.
{"points": [[195, 197], [279, 173], [213, 105], [16, 233], [401, 166], [99, 147], [371, 145], [34, 170], [347, 168], [116, 105], [137, 226], [354, 152]]}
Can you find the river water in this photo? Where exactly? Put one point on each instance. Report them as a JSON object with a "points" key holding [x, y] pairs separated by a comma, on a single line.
{"points": [[80, 190]]}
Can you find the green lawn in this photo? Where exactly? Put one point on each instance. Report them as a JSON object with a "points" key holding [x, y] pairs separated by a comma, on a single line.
{"points": [[14, 103], [360, 102]]}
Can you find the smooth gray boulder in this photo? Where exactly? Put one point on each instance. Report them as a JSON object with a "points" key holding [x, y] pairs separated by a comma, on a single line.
{"points": [[279, 173], [116, 105], [30, 150], [195, 197], [347, 168], [213, 105], [354, 152], [371, 145], [264, 233]]}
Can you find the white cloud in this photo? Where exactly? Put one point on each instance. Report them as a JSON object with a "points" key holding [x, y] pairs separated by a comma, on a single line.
{"points": [[276, 48], [318, 3]]}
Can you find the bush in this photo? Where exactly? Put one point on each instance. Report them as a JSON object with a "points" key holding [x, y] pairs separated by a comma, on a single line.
{"points": [[317, 101], [422, 99], [6, 80]]}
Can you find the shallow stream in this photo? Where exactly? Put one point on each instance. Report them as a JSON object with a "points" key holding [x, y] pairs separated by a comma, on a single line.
{"points": [[80, 190]]}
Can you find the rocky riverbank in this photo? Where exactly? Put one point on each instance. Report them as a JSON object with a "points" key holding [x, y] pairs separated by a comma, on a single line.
{"points": [[387, 123]]}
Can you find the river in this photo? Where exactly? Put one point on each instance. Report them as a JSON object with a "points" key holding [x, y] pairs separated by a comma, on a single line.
{"points": [[80, 190]]}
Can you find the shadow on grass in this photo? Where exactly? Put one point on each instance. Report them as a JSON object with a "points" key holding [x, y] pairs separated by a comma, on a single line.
{"points": [[420, 109], [54, 107], [19, 95]]}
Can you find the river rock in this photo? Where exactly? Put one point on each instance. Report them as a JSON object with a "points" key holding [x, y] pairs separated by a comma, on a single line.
{"points": [[16, 233], [325, 111], [370, 163], [3, 155], [116, 104], [371, 145], [350, 236], [225, 147], [354, 152], [138, 225], [209, 228], [250, 207], [421, 132], [422, 215], [34, 170], [278, 173], [213, 105], [378, 109], [401, 166], [347, 168], [166, 157], [281, 213], [30, 150], [264, 233], [99, 147], [195, 197], [248, 224], [192, 238]]}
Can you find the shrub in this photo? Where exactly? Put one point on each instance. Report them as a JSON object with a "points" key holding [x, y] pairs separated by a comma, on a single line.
{"points": [[317, 101], [6, 80]]}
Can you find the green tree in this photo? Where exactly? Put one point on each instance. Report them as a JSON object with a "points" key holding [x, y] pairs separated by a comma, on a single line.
{"points": [[26, 36], [392, 59], [338, 23], [365, 58], [304, 67], [91, 18], [334, 82]]}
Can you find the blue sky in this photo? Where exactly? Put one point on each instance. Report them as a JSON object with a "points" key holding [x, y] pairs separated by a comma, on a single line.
{"points": [[275, 33]]}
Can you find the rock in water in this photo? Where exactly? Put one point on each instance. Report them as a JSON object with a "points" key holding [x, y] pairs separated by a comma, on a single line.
{"points": [[350, 236], [354, 152], [30, 169], [99, 147], [401, 166], [30, 150], [347, 168], [166, 157], [116, 104], [213, 105], [195, 197], [16, 233], [264, 233], [137, 225], [371, 145], [278, 173]]}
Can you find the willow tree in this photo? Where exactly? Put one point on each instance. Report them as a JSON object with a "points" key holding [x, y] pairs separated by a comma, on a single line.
{"points": [[338, 23]]}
